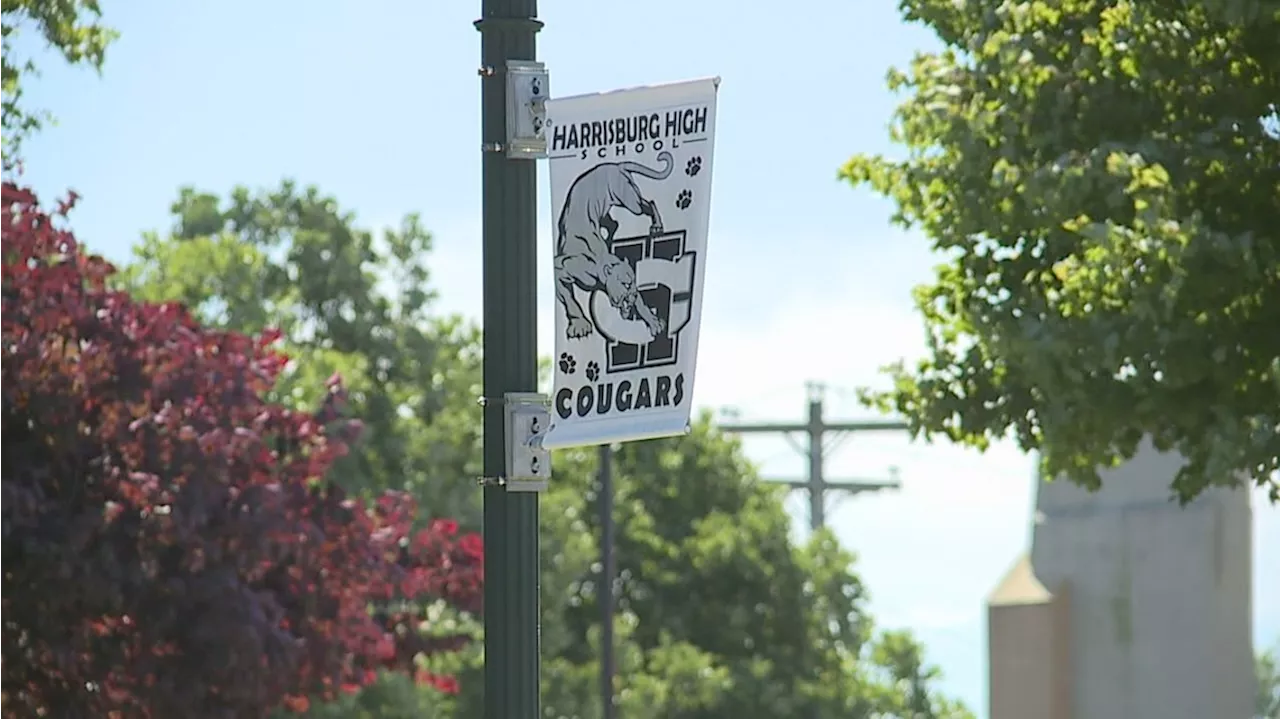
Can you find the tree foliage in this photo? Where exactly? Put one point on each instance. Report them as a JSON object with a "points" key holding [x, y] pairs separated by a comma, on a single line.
{"points": [[1267, 675], [719, 611], [1242, 12], [350, 300], [72, 27], [173, 544], [345, 300], [1101, 178]]}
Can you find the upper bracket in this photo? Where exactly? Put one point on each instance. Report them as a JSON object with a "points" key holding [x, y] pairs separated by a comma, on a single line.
{"points": [[528, 87]]}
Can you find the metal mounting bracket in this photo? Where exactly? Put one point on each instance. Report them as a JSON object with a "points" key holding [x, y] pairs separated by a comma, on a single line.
{"points": [[528, 416], [528, 87]]}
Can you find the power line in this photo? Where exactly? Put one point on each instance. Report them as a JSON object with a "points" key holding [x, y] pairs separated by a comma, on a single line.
{"points": [[817, 429]]}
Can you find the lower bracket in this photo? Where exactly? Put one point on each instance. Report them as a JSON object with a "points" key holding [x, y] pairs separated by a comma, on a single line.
{"points": [[528, 417]]}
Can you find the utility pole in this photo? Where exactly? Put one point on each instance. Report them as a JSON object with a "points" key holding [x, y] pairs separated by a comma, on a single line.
{"points": [[817, 429], [608, 570], [508, 31]]}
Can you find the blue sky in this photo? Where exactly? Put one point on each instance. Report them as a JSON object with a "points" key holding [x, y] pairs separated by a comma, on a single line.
{"points": [[378, 104]]}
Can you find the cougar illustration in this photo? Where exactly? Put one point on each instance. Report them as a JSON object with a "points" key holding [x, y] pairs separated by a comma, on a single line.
{"points": [[583, 258]]}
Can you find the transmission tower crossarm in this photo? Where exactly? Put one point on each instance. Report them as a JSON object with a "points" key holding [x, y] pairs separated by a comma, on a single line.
{"points": [[866, 426], [764, 427], [816, 429], [854, 487]]}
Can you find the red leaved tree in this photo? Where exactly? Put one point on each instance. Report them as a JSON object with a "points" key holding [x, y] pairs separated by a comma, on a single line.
{"points": [[172, 544]]}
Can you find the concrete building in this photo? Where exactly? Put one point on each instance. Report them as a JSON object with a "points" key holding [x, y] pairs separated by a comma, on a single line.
{"points": [[1128, 606]]}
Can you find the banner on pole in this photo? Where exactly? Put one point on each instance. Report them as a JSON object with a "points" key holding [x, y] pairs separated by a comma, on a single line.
{"points": [[630, 198]]}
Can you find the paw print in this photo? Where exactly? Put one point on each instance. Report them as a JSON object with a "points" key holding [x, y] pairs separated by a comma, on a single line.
{"points": [[593, 371], [684, 200], [567, 363], [694, 166]]}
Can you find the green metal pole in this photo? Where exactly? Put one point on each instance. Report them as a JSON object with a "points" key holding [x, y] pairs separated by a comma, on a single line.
{"points": [[508, 31]]}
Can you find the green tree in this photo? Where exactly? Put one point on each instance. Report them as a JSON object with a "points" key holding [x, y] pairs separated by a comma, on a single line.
{"points": [[1242, 11], [719, 611], [72, 27], [1267, 673], [651, 684], [1100, 179], [723, 615]]}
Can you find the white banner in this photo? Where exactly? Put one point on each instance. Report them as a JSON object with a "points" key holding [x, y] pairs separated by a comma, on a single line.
{"points": [[630, 196]]}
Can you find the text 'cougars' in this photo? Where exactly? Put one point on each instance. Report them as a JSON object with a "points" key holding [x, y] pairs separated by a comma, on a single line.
{"points": [[662, 391]]}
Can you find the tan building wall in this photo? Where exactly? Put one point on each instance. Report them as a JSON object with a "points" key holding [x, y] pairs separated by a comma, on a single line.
{"points": [[1029, 645], [1157, 624]]}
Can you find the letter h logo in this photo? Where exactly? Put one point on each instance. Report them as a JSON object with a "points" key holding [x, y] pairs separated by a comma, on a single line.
{"points": [[664, 277]]}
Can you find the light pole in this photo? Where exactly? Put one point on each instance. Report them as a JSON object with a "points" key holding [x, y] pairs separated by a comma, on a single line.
{"points": [[608, 570], [508, 31]]}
